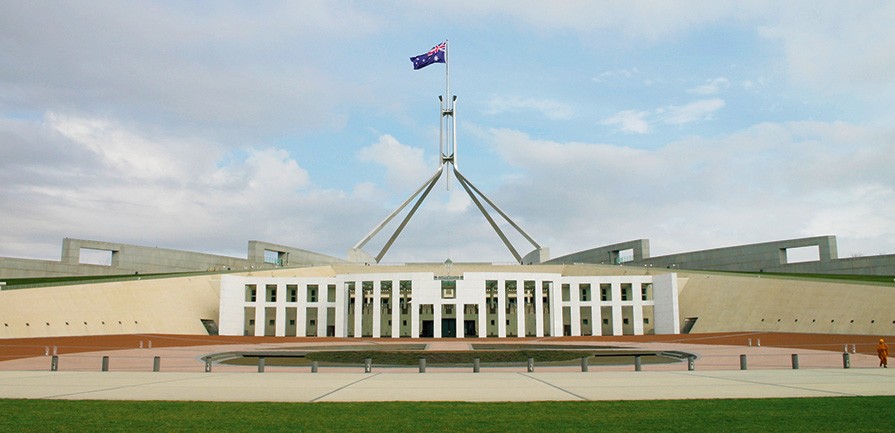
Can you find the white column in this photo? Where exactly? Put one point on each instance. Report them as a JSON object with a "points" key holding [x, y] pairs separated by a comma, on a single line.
{"points": [[539, 308], [501, 309], [259, 315], [358, 309], [396, 309], [301, 315], [482, 318], [415, 318], [520, 308], [321, 318], [556, 308], [638, 317], [436, 319], [377, 309], [665, 310], [460, 318], [596, 313], [575, 308], [341, 310], [617, 309], [281, 319]]}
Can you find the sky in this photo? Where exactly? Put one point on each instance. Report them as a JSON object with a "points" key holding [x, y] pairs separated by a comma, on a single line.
{"points": [[202, 125]]}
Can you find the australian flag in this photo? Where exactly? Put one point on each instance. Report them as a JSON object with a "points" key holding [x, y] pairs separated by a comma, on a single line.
{"points": [[437, 54]]}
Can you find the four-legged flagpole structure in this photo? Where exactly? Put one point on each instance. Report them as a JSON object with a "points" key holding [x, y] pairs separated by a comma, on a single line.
{"points": [[447, 164]]}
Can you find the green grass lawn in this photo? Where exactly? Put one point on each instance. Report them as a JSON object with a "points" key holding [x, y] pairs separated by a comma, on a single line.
{"points": [[832, 414]]}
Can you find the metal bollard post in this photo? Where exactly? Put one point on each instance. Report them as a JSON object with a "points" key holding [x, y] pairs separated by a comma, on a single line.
{"points": [[105, 363], [691, 363], [150, 344], [531, 365], [854, 348], [742, 362], [758, 340], [422, 365], [584, 364], [368, 365], [637, 363], [157, 364], [260, 364], [141, 344], [55, 350], [313, 366], [476, 364], [208, 366], [846, 360], [54, 363], [795, 361], [750, 343]]}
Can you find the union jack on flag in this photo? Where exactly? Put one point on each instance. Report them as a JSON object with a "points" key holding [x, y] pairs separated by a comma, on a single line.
{"points": [[438, 54]]}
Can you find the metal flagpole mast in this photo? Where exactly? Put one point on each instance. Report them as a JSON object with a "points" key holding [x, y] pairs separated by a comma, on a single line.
{"points": [[447, 109]]}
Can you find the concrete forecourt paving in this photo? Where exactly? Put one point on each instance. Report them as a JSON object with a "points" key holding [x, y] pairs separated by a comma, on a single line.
{"points": [[447, 386]]}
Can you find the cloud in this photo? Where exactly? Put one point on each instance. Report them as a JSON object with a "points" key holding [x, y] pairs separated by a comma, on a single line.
{"points": [[816, 44], [769, 181], [405, 166], [629, 121], [711, 86], [623, 73], [640, 122], [226, 71], [121, 184], [692, 112], [550, 109]]}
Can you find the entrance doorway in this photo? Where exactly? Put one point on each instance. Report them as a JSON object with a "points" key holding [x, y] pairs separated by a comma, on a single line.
{"points": [[469, 329], [448, 328], [428, 330]]}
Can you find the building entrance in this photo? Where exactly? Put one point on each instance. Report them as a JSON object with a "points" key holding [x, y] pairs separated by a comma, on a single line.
{"points": [[448, 328]]}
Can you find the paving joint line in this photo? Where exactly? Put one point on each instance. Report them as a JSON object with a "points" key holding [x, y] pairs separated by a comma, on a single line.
{"points": [[136, 385], [802, 388], [555, 386], [313, 400]]}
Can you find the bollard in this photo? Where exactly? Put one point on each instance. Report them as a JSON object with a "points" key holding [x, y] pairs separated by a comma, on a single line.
{"points": [[742, 362], [476, 364], [105, 363], [637, 363], [54, 363], [584, 364], [141, 344], [46, 350], [260, 364], [422, 365], [845, 348], [795, 361], [531, 365], [750, 343], [150, 344], [368, 365], [208, 366], [313, 366], [854, 349], [691, 363], [758, 342], [846, 361], [55, 350], [157, 364]]}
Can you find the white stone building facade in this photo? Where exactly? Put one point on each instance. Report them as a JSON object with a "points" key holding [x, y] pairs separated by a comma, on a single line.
{"points": [[471, 304]]}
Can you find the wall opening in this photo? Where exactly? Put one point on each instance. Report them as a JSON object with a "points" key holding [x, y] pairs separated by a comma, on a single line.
{"points": [[90, 256], [802, 254]]}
